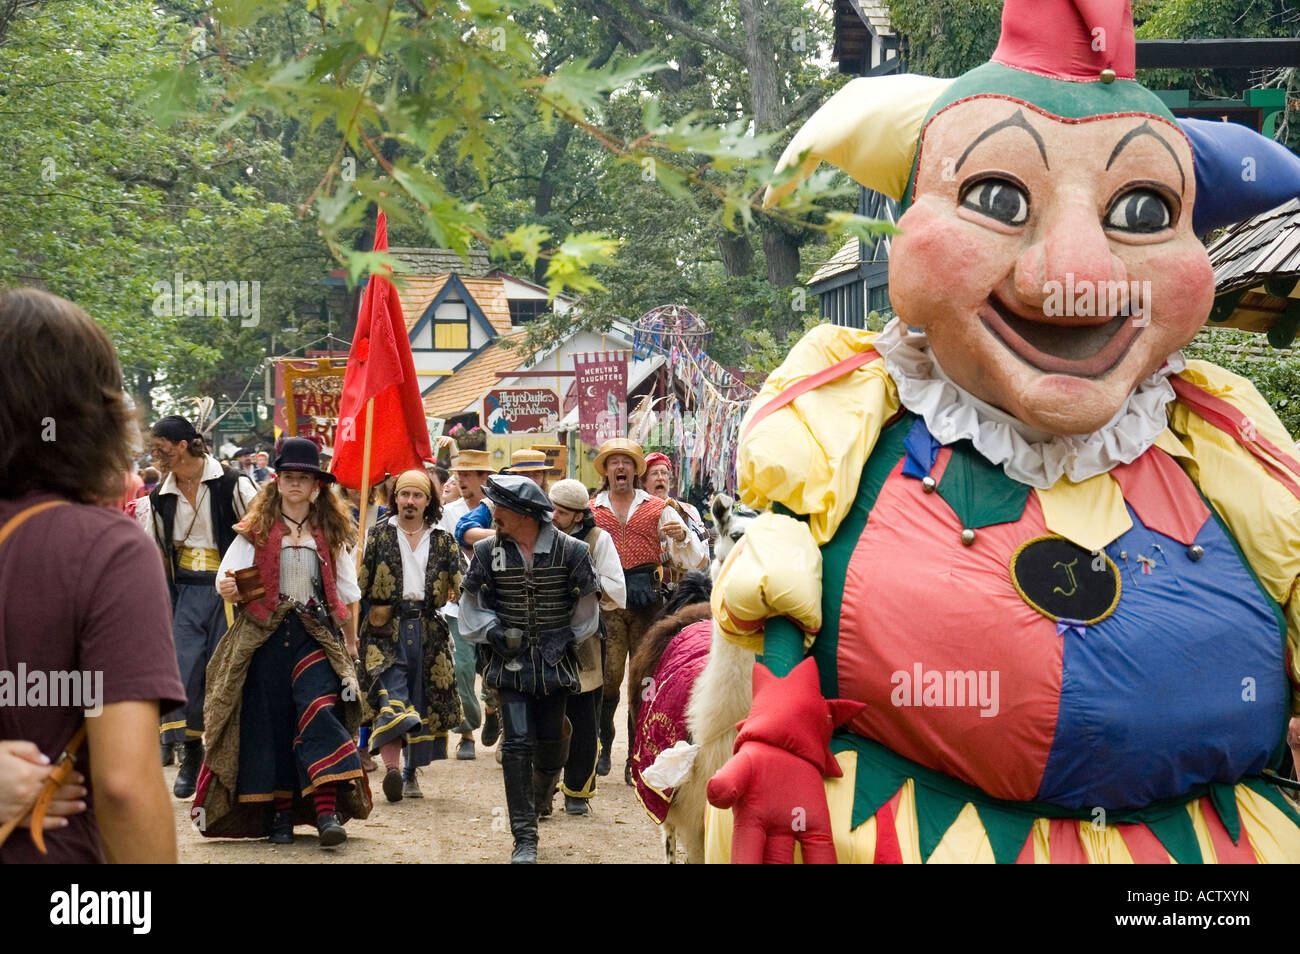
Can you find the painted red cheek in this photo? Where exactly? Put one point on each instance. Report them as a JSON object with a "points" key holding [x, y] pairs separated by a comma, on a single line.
{"points": [[1182, 286]]}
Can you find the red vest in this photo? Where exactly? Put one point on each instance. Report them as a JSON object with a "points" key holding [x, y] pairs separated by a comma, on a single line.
{"points": [[267, 559], [638, 542]]}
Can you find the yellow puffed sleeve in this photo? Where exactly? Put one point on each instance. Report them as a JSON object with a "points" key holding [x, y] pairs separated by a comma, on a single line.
{"points": [[775, 570], [809, 454], [1262, 513]]}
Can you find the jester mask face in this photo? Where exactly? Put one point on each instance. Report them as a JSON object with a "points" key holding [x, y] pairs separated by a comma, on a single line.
{"points": [[1051, 262], [1049, 244]]}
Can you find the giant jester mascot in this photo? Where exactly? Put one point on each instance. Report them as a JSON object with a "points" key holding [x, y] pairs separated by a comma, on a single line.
{"points": [[1039, 569]]}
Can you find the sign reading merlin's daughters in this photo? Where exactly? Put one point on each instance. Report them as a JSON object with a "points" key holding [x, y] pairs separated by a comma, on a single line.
{"points": [[601, 382], [521, 410]]}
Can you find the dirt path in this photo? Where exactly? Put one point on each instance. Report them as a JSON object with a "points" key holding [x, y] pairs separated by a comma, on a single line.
{"points": [[461, 819]]}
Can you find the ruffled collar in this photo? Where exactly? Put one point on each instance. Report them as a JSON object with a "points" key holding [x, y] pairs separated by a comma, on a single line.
{"points": [[1027, 455]]}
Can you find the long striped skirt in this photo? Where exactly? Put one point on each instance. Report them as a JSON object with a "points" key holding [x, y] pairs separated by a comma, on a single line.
{"points": [[291, 733]]}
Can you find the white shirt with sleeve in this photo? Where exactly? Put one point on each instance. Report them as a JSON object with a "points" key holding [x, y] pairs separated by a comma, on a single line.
{"points": [[241, 553], [194, 529], [613, 586], [684, 554], [450, 514]]}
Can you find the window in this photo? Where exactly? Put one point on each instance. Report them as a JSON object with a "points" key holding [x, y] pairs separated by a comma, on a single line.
{"points": [[878, 299], [451, 334], [523, 310]]}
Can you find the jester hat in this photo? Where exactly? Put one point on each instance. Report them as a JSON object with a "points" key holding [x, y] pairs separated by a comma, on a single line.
{"points": [[1070, 59]]}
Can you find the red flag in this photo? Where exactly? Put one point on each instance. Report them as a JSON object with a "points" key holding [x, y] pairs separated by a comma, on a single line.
{"points": [[380, 367]]}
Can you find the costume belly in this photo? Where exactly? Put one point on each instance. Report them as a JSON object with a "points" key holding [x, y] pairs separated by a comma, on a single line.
{"points": [[1170, 675]]}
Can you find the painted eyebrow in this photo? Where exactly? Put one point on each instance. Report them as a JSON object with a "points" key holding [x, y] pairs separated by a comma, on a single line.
{"points": [[1146, 130], [1017, 121]]}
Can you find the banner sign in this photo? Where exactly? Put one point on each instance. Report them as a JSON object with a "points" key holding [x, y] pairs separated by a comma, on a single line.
{"points": [[311, 396], [601, 379], [520, 410]]}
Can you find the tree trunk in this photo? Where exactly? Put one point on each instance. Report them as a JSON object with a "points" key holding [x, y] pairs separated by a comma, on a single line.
{"points": [[9, 10], [737, 253], [780, 248], [142, 394], [782, 252], [546, 187]]}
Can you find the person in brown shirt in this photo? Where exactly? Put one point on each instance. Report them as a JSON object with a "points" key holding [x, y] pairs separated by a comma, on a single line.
{"points": [[85, 619]]}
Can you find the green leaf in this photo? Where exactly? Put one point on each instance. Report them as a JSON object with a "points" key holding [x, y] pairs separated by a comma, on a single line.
{"points": [[172, 93], [237, 13]]}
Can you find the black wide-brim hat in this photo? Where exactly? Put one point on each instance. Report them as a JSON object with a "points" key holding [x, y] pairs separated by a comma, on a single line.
{"points": [[302, 455], [520, 494]]}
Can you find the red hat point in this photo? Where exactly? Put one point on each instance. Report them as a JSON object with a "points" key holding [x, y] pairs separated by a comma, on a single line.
{"points": [[1072, 40]]}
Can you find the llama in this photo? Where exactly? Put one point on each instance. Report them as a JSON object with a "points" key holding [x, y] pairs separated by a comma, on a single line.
{"points": [[719, 698]]}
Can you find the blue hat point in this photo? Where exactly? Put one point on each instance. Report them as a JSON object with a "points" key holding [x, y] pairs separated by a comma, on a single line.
{"points": [[1239, 173]]}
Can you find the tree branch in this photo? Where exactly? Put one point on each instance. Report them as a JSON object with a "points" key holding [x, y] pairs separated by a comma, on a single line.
{"points": [[802, 104], [686, 28]]}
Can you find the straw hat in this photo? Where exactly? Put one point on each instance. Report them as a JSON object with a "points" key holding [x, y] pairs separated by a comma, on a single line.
{"points": [[473, 461], [525, 460], [620, 445]]}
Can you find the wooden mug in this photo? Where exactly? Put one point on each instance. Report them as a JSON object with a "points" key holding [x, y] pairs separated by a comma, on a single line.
{"points": [[249, 583]]}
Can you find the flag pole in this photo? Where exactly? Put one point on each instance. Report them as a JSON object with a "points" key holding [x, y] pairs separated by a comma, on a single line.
{"points": [[365, 483]]}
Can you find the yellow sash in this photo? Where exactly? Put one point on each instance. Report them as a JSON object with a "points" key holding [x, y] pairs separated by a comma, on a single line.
{"points": [[201, 559]]}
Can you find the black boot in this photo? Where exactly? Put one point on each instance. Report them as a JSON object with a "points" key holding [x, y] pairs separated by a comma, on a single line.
{"points": [[329, 825], [491, 728], [548, 766], [392, 785], [607, 709], [168, 752], [410, 787], [517, 769], [281, 828], [188, 776]]}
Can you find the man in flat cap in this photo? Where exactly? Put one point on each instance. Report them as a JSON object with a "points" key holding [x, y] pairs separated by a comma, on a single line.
{"points": [[529, 599]]}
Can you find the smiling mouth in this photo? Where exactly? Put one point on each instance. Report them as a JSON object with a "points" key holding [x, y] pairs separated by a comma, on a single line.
{"points": [[1085, 351]]}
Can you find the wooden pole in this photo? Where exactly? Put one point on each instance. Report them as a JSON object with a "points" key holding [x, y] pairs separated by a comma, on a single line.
{"points": [[365, 483]]}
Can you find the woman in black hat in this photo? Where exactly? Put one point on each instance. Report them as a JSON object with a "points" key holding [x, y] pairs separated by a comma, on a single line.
{"points": [[282, 702]]}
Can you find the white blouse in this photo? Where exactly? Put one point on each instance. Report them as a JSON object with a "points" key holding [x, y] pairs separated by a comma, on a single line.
{"points": [[241, 552]]}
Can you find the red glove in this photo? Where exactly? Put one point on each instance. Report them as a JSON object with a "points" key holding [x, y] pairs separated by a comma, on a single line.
{"points": [[773, 783]]}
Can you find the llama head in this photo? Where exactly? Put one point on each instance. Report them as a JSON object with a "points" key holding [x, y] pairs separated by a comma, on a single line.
{"points": [[730, 523]]}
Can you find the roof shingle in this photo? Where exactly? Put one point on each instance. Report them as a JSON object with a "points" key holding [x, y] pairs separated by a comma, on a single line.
{"points": [[475, 378]]}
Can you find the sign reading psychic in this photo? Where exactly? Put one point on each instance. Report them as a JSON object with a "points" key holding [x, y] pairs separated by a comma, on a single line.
{"points": [[520, 410], [311, 397], [602, 395]]}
